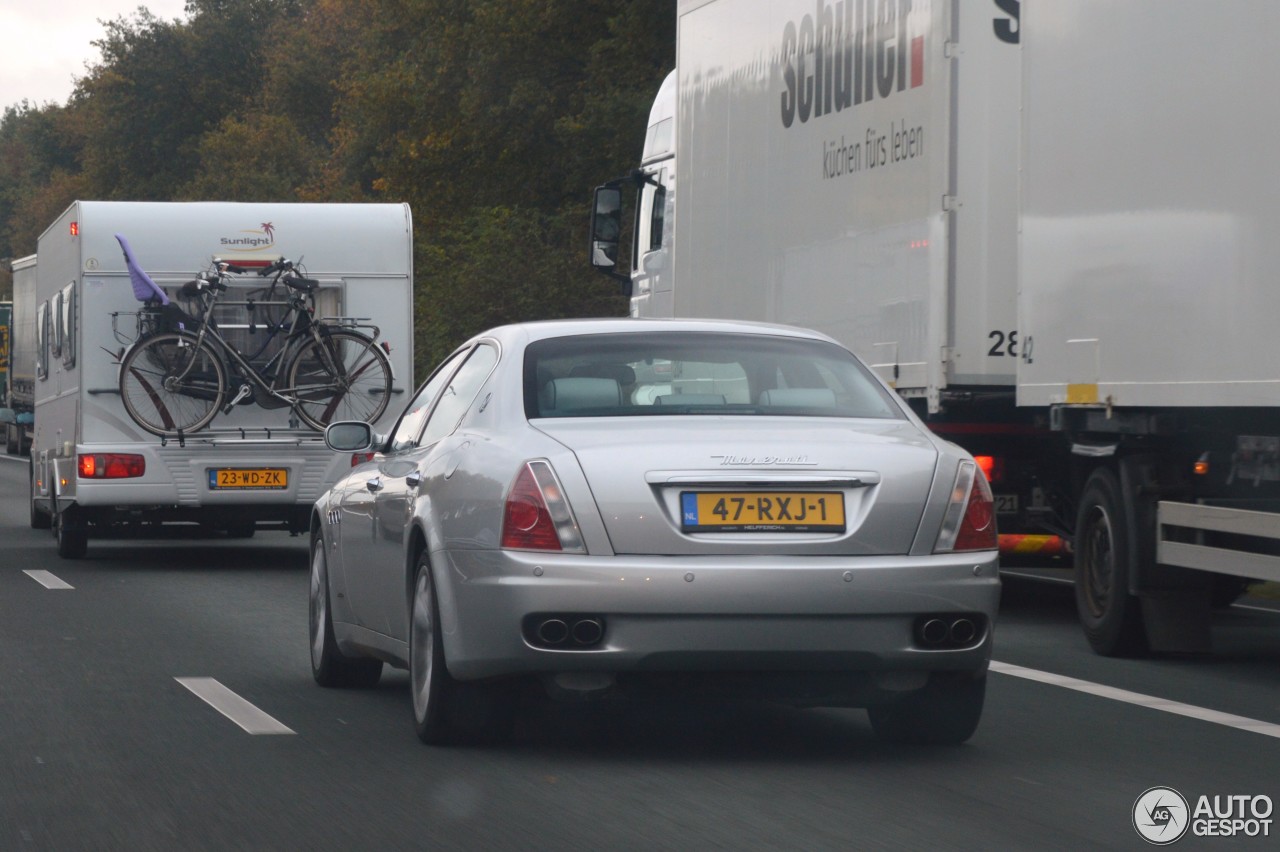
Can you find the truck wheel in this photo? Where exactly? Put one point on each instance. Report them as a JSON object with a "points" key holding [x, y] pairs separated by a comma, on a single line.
{"points": [[1110, 616], [945, 712], [73, 540], [329, 666], [39, 520]]}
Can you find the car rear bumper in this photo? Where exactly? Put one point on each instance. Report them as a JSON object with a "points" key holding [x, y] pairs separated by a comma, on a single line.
{"points": [[713, 614]]}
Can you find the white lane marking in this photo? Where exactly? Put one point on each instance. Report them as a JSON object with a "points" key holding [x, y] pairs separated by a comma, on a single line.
{"points": [[1062, 581], [1150, 701], [235, 708], [48, 580]]}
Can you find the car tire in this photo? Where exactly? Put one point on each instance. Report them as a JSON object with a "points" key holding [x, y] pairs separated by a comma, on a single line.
{"points": [[945, 712], [430, 684], [71, 536], [1110, 616], [39, 520], [329, 666]]}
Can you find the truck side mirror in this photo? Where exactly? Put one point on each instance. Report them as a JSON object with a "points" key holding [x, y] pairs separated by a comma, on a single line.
{"points": [[606, 227]]}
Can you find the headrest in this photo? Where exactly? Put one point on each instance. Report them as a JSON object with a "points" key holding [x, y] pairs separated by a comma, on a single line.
{"points": [[575, 393], [621, 373]]}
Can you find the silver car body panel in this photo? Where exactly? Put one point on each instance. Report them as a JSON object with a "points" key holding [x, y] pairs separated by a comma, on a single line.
{"points": [[671, 601]]}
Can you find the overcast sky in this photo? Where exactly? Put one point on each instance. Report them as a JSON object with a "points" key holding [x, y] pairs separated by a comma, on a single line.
{"points": [[47, 42]]}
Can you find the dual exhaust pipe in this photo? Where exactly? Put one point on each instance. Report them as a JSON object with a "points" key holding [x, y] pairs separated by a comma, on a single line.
{"points": [[566, 632], [940, 632]]}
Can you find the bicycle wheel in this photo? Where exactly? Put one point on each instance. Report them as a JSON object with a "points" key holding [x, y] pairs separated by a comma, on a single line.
{"points": [[345, 377], [170, 385]]}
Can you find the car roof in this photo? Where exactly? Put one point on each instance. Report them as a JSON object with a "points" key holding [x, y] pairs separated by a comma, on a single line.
{"points": [[542, 329]]}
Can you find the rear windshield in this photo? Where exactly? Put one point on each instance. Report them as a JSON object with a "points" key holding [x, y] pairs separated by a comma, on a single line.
{"points": [[698, 373]]}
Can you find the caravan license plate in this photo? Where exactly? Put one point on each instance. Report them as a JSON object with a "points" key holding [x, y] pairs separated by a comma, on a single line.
{"points": [[762, 511], [241, 478]]}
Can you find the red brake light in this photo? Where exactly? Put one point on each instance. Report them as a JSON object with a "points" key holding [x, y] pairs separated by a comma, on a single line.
{"points": [[978, 528], [536, 514], [110, 465], [992, 466], [361, 458], [526, 522]]}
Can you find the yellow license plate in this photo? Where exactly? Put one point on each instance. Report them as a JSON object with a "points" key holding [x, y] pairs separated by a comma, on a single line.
{"points": [[762, 511], [248, 477]]}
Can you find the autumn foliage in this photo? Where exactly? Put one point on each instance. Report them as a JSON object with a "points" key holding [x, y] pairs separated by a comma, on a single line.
{"points": [[493, 119]]}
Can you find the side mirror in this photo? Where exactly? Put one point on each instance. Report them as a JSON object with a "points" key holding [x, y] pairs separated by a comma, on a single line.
{"points": [[606, 227], [349, 436]]}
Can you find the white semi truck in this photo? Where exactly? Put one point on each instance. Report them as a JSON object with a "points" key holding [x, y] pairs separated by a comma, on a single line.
{"points": [[1049, 225], [95, 473]]}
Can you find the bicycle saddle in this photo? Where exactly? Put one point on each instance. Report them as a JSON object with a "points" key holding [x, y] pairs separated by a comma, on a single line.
{"points": [[306, 285]]}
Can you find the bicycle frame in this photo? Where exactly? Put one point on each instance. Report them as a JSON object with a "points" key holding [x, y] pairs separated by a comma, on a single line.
{"points": [[301, 329]]}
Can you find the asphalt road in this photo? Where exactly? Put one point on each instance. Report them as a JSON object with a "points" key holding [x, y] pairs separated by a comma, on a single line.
{"points": [[102, 747]]}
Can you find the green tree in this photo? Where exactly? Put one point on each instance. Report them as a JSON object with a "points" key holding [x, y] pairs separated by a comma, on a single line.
{"points": [[161, 85]]}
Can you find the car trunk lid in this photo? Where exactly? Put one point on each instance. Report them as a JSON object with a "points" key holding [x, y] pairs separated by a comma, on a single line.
{"points": [[752, 485]]}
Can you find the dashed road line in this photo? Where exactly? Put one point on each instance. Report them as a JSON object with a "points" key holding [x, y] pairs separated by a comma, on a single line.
{"points": [[49, 581], [1150, 701], [235, 708]]}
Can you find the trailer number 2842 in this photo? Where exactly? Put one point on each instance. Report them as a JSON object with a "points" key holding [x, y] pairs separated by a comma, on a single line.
{"points": [[1006, 344], [1003, 343]]}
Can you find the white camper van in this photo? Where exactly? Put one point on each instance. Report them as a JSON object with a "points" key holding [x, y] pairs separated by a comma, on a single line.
{"points": [[95, 472]]}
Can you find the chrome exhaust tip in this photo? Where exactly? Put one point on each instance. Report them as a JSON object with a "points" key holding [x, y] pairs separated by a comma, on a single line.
{"points": [[587, 631], [934, 631], [552, 631]]}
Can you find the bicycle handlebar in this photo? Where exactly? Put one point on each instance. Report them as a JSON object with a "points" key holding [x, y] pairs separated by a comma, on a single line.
{"points": [[277, 266], [192, 288]]}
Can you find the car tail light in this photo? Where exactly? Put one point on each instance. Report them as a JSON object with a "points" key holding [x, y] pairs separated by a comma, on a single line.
{"points": [[361, 458], [110, 465], [992, 466], [970, 521], [536, 515]]}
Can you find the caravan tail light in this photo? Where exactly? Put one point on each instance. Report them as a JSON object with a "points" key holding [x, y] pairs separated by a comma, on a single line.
{"points": [[110, 465]]}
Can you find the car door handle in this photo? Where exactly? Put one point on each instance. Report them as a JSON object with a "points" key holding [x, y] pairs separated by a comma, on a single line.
{"points": [[413, 479], [374, 484]]}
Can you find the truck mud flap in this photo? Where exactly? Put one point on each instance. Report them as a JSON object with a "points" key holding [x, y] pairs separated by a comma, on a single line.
{"points": [[1175, 601]]}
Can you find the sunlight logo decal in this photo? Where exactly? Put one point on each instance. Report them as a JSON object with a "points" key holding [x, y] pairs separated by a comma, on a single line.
{"points": [[262, 238]]}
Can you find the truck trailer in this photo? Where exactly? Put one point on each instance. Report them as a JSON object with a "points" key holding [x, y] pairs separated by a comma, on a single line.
{"points": [[17, 404], [95, 472], [1047, 225]]}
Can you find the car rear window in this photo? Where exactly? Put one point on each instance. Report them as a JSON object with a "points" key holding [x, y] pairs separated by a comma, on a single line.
{"points": [[698, 373]]}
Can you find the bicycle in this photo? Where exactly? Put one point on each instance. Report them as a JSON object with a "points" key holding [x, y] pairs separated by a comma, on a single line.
{"points": [[174, 379]]}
